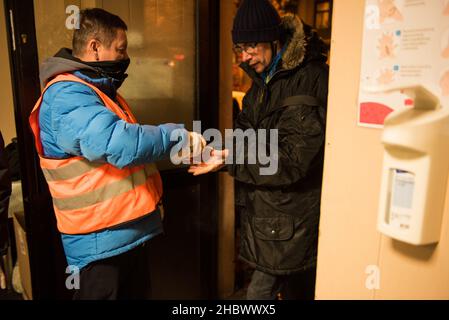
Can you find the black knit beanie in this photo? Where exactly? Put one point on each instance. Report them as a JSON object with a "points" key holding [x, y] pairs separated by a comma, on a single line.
{"points": [[256, 21]]}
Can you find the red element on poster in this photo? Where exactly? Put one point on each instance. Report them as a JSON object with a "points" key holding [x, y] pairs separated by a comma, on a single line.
{"points": [[179, 57], [374, 113]]}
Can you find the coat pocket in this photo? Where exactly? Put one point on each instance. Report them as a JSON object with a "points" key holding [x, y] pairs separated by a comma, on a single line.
{"points": [[280, 228]]}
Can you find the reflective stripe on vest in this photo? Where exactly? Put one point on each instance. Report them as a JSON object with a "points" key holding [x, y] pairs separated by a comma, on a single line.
{"points": [[92, 196]]}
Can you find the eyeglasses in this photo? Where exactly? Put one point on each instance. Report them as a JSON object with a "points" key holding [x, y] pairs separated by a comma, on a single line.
{"points": [[249, 48]]}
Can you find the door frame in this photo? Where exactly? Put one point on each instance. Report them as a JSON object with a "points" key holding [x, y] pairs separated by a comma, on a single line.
{"points": [[208, 65], [22, 48], [48, 277]]}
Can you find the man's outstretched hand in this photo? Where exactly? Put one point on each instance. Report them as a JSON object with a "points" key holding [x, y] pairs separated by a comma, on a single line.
{"points": [[215, 163]]}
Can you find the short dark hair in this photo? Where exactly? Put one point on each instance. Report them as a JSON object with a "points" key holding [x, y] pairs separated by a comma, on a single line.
{"points": [[99, 24]]}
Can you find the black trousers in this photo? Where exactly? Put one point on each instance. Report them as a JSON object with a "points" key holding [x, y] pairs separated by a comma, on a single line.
{"points": [[299, 286], [123, 277]]}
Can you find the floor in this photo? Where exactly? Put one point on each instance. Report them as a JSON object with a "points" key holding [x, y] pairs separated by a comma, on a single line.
{"points": [[239, 295], [10, 295]]}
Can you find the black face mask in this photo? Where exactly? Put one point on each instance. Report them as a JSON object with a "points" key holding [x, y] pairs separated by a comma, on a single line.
{"points": [[112, 69]]}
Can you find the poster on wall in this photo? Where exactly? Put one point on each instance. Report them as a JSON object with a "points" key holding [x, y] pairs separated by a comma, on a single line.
{"points": [[405, 42]]}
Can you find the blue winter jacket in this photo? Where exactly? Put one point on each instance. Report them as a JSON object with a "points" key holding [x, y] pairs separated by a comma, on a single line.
{"points": [[74, 122]]}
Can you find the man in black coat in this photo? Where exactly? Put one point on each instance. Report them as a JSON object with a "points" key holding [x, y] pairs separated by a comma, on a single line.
{"points": [[280, 211], [5, 192]]}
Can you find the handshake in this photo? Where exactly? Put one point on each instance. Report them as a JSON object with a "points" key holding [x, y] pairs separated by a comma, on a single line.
{"points": [[211, 160]]}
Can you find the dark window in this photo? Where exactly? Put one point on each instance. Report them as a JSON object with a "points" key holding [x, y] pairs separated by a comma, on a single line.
{"points": [[323, 18]]}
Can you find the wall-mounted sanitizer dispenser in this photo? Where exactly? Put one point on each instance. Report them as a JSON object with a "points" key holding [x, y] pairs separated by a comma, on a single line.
{"points": [[415, 169]]}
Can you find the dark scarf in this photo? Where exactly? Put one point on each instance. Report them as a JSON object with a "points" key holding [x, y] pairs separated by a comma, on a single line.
{"points": [[108, 76]]}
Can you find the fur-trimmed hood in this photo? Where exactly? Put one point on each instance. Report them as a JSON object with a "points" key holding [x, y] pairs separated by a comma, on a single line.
{"points": [[302, 43]]}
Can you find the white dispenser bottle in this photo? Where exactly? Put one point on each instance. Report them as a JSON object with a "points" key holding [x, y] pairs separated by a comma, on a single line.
{"points": [[415, 170]]}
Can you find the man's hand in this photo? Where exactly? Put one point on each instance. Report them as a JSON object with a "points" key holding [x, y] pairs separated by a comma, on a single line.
{"points": [[197, 144], [215, 163], [194, 148]]}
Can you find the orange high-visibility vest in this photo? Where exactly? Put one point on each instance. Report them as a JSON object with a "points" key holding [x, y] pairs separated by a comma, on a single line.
{"points": [[89, 196]]}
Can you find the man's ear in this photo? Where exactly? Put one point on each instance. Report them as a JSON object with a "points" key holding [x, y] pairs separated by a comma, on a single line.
{"points": [[93, 47]]}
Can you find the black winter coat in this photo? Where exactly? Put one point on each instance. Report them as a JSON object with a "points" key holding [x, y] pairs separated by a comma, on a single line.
{"points": [[5, 192], [280, 213]]}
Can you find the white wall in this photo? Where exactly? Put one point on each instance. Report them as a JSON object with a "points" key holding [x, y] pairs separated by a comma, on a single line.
{"points": [[349, 242], [7, 122]]}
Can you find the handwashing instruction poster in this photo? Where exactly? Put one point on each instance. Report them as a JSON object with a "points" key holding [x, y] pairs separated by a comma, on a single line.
{"points": [[405, 42]]}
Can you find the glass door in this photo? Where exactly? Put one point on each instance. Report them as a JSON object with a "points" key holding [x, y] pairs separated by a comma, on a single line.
{"points": [[161, 44]]}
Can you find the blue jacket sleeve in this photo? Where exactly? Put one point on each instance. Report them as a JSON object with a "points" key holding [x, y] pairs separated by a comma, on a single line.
{"points": [[79, 124]]}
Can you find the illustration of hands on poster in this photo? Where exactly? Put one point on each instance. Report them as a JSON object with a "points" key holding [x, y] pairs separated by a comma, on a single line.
{"points": [[405, 42], [389, 11]]}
